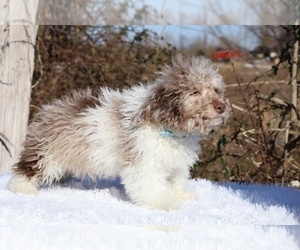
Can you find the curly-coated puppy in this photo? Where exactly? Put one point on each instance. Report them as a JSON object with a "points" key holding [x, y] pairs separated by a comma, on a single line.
{"points": [[147, 135]]}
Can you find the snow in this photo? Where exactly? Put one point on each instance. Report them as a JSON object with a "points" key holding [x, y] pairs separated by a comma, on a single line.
{"points": [[99, 215]]}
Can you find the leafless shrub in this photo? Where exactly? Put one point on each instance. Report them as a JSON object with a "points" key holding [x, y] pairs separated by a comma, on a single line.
{"points": [[262, 141], [72, 57]]}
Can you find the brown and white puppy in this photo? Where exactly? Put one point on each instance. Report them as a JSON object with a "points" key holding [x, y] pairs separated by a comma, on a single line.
{"points": [[147, 135]]}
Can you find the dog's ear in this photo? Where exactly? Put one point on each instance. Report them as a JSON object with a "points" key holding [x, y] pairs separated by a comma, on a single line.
{"points": [[161, 108], [163, 104]]}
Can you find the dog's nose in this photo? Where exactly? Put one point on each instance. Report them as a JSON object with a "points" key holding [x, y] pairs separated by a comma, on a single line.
{"points": [[220, 107]]}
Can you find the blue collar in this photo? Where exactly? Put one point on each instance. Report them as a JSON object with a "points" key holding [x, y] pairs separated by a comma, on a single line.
{"points": [[169, 133]]}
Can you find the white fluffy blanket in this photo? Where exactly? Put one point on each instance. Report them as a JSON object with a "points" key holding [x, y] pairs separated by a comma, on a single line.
{"points": [[98, 215]]}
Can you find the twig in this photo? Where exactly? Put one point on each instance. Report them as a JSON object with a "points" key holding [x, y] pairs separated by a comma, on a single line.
{"points": [[273, 99], [254, 83], [285, 151], [4, 144]]}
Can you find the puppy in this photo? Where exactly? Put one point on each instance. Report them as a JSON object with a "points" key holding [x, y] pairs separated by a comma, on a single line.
{"points": [[147, 135]]}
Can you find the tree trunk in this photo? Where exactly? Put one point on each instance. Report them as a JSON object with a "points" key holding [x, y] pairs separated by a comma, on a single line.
{"points": [[16, 68]]}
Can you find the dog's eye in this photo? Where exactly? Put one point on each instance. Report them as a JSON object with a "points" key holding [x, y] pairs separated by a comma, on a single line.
{"points": [[196, 92], [217, 91]]}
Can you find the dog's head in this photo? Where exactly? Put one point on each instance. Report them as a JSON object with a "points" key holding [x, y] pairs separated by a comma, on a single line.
{"points": [[187, 97]]}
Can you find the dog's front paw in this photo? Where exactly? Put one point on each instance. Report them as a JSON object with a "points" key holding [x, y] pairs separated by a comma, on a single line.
{"points": [[165, 206], [163, 203], [186, 195]]}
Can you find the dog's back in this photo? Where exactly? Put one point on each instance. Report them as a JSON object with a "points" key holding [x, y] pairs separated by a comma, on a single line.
{"points": [[58, 140]]}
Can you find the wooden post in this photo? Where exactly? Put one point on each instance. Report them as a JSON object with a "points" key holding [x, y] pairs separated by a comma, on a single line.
{"points": [[17, 41]]}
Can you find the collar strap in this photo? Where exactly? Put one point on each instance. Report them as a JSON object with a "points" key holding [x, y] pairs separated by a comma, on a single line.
{"points": [[169, 133]]}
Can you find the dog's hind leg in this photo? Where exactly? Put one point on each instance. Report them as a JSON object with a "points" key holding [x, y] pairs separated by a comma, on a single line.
{"points": [[26, 175], [31, 172], [21, 184]]}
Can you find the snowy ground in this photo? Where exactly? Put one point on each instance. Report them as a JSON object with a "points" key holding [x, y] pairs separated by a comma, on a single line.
{"points": [[89, 215]]}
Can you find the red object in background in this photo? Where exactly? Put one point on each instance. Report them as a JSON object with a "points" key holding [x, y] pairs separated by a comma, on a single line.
{"points": [[222, 55]]}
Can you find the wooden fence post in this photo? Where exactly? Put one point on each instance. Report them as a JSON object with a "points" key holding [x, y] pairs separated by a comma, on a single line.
{"points": [[17, 40]]}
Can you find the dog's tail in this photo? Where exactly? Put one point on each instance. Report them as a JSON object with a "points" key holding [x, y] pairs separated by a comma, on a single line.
{"points": [[21, 184]]}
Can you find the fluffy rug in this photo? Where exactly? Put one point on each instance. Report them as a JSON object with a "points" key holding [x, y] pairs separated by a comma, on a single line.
{"points": [[98, 215]]}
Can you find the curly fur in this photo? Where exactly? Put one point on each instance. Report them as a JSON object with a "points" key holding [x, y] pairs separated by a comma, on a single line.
{"points": [[110, 133]]}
